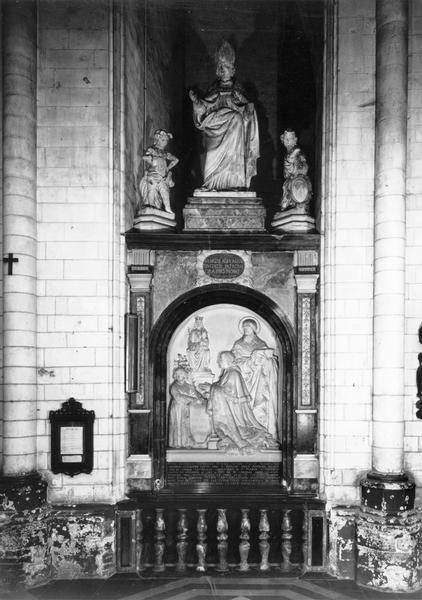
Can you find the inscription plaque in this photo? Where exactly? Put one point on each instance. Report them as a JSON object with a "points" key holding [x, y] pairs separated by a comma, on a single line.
{"points": [[223, 265], [224, 474]]}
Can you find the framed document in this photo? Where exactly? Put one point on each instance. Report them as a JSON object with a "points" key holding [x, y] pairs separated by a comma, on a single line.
{"points": [[72, 433]]}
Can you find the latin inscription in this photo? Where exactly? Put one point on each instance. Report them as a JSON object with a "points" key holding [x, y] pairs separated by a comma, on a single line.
{"points": [[224, 265], [223, 474]]}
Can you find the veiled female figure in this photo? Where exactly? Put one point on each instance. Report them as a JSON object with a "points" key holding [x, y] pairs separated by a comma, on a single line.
{"points": [[230, 127], [258, 365]]}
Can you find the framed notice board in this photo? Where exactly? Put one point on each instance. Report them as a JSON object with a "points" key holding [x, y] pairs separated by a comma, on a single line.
{"points": [[72, 439]]}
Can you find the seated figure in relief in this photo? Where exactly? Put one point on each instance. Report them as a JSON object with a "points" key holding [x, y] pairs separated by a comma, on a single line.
{"points": [[258, 365], [230, 128], [182, 394], [233, 420], [156, 183], [198, 350]]}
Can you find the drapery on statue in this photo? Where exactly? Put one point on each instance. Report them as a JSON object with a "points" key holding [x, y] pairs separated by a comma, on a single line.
{"points": [[156, 183], [183, 394], [258, 365], [233, 419], [230, 128], [297, 188]]}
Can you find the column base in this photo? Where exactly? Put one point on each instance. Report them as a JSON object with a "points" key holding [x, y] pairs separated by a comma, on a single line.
{"points": [[388, 534], [389, 493], [24, 531], [388, 557]]}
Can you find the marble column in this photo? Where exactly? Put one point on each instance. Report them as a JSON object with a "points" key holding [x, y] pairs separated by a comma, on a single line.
{"points": [[19, 236], [387, 532]]}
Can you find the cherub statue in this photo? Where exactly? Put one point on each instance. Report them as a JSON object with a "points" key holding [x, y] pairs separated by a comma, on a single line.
{"points": [[156, 183], [297, 188]]}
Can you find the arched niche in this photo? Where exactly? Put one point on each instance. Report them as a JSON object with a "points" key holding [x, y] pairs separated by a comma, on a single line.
{"points": [[166, 327]]}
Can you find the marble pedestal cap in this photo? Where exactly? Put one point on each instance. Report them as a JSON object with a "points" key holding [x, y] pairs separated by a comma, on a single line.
{"points": [[152, 219], [292, 221], [224, 211]]}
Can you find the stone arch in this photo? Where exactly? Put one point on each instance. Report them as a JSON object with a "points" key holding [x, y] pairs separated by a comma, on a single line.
{"points": [[162, 332]]}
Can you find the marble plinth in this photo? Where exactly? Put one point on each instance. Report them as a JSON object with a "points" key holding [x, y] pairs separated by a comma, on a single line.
{"points": [[152, 219], [224, 211], [292, 221]]}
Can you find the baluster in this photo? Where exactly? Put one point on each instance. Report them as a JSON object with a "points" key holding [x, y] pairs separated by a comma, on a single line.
{"points": [[159, 537], [182, 536], [139, 541], [264, 546], [286, 540], [222, 537], [201, 546], [244, 546]]}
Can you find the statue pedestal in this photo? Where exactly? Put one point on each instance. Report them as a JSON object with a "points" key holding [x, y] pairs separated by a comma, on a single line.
{"points": [[152, 219], [292, 221], [224, 211]]}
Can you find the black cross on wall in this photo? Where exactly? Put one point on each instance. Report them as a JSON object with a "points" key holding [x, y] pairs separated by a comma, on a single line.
{"points": [[10, 260]]}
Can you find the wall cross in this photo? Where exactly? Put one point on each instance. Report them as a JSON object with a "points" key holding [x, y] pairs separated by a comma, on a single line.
{"points": [[10, 260]]}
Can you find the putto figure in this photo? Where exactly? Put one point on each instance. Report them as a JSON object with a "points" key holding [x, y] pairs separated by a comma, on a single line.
{"points": [[230, 128], [297, 188], [156, 183]]}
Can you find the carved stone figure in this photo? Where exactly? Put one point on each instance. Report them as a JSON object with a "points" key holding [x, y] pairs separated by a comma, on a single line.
{"points": [[156, 183], [229, 404], [258, 365], [198, 350], [230, 128], [183, 394], [297, 188]]}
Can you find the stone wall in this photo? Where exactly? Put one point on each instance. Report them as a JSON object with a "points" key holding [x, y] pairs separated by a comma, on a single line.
{"points": [[347, 272], [80, 303], [413, 426], [153, 95]]}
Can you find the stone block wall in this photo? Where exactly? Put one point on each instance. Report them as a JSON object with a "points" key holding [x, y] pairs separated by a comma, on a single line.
{"points": [[347, 254], [413, 426], [80, 264]]}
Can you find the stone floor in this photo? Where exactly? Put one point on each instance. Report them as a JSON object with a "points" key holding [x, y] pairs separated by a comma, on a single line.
{"points": [[231, 587]]}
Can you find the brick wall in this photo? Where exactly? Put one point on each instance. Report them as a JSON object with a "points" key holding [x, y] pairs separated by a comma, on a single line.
{"points": [[347, 276], [413, 426], [79, 250]]}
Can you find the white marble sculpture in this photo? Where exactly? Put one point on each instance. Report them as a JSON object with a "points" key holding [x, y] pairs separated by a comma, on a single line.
{"points": [[198, 348], [297, 189], [230, 128], [233, 420], [154, 187], [184, 396], [258, 365]]}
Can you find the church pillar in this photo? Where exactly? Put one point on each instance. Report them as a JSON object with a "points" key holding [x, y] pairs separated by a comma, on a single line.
{"points": [[22, 492], [19, 237], [386, 530]]}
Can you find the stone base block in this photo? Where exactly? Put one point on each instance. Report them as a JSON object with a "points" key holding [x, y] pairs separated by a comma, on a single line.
{"points": [[218, 211], [292, 221], [24, 529], [83, 542], [342, 542], [388, 551], [152, 219]]}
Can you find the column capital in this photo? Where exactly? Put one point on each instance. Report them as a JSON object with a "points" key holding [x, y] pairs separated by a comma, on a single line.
{"points": [[306, 282], [140, 282]]}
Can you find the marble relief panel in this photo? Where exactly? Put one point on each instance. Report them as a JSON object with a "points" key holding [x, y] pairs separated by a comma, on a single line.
{"points": [[224, 381]]}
